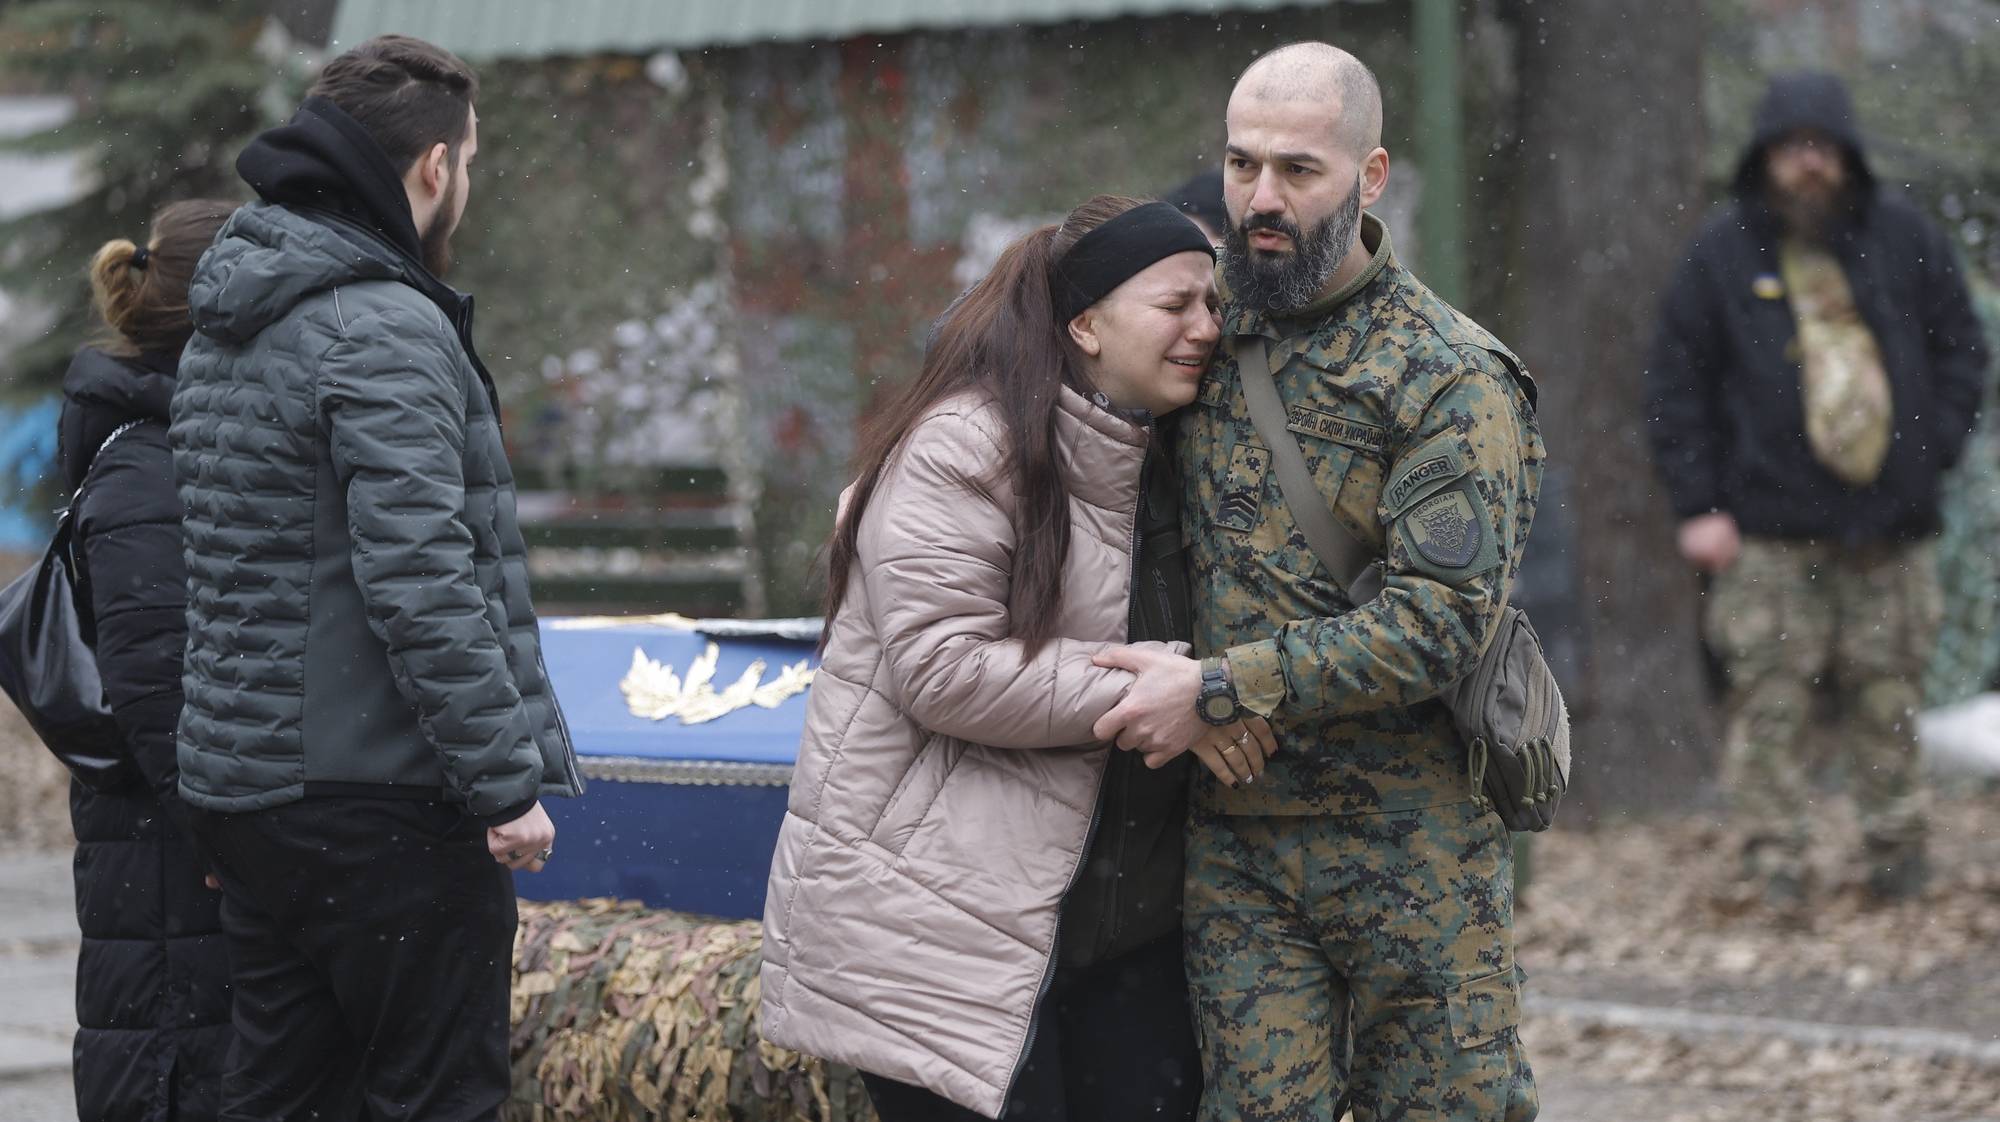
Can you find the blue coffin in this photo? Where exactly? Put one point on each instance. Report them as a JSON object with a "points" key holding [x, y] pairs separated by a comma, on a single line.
{"points": [[676, 815]]}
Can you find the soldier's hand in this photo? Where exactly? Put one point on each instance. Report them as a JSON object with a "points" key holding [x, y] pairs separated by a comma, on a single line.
{"points": [[1158, 713], [1267, 743], [1235, 753], [1710, 542]]}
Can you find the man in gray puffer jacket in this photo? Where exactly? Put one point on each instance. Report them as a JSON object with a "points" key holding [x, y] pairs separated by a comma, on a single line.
{"points": [[368, 725]]}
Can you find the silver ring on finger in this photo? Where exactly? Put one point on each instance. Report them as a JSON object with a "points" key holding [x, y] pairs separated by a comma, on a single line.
{"points": [[513, 855], [1244, 739], [545, 854]]}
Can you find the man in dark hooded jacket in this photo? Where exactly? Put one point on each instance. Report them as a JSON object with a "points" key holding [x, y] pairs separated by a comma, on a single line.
{"points": [[368, 726], [1818, 366]]}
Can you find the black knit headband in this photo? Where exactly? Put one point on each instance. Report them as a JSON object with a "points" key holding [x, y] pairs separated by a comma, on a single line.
{"points": [[1115, 252]]}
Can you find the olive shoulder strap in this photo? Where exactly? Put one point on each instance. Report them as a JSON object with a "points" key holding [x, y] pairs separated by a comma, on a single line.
{"points": [[1350, 563]]}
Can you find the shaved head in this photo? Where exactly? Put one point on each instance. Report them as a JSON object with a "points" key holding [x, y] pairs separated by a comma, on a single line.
{"points": [[1324, 74], [1304, 160]]}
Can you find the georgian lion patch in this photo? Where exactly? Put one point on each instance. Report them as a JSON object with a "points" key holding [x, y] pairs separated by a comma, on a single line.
{"points": [[1449, 535], [1444, 531]]}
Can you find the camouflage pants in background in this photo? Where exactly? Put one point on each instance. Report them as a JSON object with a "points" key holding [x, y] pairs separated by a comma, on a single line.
{"points": [[1370, 956], [1787, 615]]}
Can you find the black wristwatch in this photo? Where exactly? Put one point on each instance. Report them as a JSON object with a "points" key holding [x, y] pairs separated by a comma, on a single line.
{"points": [[1217, 700]]}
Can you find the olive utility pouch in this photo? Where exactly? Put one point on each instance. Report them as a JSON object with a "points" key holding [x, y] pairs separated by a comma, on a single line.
{"points": [[1511, 714]]}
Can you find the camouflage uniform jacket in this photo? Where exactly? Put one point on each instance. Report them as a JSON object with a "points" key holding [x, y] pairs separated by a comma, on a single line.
{"points": [[1419, 429]]}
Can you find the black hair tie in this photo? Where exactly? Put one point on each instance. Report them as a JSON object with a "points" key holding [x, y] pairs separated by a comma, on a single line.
{"points": [[140, 256]]}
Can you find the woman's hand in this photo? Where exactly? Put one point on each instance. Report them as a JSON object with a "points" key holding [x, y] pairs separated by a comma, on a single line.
{"points": [[1235, 753]]}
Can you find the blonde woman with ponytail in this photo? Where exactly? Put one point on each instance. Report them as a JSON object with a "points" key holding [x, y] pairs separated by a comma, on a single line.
{"points": [[152, 979], [141, 291]]}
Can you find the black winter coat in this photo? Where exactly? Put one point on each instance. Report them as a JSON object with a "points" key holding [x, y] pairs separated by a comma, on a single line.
{"points": [[152, 996], [1723, 379]]}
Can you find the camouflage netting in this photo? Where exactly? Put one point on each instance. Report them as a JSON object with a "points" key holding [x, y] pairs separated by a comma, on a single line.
{"points": [[1967, 659], [624, 1013]]}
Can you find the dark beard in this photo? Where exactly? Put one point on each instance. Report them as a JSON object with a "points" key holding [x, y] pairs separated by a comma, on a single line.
{"points": [[436, 237], [1810, 216], [1282, 283]]}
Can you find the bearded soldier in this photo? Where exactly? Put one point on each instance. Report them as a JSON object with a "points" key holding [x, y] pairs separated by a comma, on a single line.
{"points": [[1349, 911]]}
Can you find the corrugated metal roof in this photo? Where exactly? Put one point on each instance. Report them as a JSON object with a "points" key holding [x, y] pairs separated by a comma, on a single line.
{"points": [[489, 29]]}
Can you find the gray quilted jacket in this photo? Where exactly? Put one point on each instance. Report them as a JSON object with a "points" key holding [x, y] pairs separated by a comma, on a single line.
{"points": [[358, 612]]}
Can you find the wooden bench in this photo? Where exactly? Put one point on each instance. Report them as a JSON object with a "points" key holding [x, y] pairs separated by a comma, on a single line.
{"points": [[669, 541]]}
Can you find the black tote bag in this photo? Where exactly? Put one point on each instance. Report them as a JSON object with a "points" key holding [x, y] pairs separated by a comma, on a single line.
{"points": [[47, 664]]}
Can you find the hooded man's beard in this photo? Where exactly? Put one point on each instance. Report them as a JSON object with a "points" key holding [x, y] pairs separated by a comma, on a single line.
{"points": [[1811, 214], [1283, 283]]}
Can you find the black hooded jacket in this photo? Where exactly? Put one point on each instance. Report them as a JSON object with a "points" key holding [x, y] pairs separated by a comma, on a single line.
{"points": [[152, 998], [1723, 379]]}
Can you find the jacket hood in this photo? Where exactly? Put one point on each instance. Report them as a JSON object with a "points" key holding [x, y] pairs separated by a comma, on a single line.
{"points": [[1801, 101], [102, 391], [325, 160], [267, 258]]}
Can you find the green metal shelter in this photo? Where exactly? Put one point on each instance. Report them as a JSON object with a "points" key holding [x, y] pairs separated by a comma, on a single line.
{"points": [[494, 29], [527, 29]]}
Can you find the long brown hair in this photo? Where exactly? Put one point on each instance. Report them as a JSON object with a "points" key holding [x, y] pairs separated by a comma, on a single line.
{"points": [[144, 304], [1002, 339]]}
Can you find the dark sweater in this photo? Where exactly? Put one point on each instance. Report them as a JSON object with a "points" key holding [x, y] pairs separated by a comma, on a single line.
{"points": [[1128, 891]]}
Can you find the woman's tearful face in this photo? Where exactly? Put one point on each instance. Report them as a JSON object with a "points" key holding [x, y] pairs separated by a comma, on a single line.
{"points": [[1149, 341]]}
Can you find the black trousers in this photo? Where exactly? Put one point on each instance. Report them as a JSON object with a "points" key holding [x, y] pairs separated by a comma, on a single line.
{"points": [[1114, 1041], [370, 943]]}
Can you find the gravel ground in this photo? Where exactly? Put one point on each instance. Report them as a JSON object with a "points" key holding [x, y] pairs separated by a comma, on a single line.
{"points": [[1649, 914], [1592, 1073], [39, 1098], [1654, 908]]}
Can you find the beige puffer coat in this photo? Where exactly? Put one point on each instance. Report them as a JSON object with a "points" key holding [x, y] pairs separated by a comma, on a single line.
{"points": [[912, 909]]}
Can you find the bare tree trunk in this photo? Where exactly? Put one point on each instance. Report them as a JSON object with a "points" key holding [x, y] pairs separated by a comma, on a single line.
{"points": [[1611, 154]]}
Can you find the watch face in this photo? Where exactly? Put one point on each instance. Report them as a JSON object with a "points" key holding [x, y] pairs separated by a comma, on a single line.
{"points": [[1219, 708]]}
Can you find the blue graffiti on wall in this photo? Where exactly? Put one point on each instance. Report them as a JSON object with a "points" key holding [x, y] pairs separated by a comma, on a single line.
{"points": [[27, 458]]}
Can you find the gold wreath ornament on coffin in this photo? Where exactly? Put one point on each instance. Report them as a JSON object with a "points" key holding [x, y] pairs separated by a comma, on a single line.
{"points": [[655, 692]]}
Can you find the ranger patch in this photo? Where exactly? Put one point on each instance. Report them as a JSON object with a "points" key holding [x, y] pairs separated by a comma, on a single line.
{"points": [[1237, 504], [1422, 473], [1332, 426]]}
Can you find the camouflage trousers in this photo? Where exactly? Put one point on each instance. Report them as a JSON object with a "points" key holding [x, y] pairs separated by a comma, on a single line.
{"points": [[1366, 957], [1785, 617]]}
